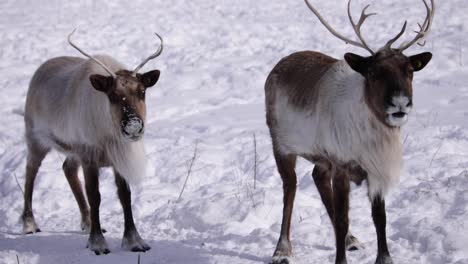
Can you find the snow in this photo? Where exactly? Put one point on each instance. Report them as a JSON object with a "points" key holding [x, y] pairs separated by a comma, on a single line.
{"points": [[216, 59]]}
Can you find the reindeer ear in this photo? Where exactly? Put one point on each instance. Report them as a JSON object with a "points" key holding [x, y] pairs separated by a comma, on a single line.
{"points": [[419, 61], [149, 78], [101, 83], [356, 62]]}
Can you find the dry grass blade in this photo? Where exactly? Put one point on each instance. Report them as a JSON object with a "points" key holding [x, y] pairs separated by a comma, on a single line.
{"points": [[255, 161], [17, 182], [192, 161]]}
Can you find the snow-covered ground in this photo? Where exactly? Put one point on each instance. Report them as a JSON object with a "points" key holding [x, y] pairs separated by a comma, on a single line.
{"points": [[217, 56]]}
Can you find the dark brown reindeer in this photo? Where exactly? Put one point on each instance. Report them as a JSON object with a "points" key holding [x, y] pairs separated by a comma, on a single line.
{"points": [[345, 117], [92, 110]]}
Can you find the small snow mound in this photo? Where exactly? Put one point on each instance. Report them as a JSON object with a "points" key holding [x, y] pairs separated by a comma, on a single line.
{"points": [[18, 111]]}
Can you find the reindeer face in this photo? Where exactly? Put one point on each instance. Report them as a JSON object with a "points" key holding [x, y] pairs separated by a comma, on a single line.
{"points": [[388, 82], [126, 94]]}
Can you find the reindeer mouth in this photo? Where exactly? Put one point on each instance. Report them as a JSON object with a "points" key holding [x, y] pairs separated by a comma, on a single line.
{"points": [[399, 114], [131, 137], [397, 119]]}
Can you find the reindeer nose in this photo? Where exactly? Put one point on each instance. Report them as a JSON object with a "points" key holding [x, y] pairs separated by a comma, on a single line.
{"points": [[133, 126], [401, 102]]}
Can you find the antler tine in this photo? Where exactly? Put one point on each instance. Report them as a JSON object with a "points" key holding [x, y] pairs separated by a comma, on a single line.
{"points": [[364, 16], [428, 10], [89, 56], [426, 20], [357, 28], [334, 32], [154, 55], [391, 41], [424, 29]]}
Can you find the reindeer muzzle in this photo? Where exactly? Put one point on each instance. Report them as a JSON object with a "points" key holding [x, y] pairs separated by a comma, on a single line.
{"points": [[133, 127]]}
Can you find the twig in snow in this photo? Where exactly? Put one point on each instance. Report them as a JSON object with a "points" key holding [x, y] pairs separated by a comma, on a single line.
{"points": [[194, 157], [250, 194], [255, 161], [461, 56], [406, 138], [435, 154], [17, 182], [138, 262], [430, 163], [17, 259]]}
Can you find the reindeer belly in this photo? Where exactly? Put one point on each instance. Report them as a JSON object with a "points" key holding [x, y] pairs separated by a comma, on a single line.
{"points": [[295, 130]]}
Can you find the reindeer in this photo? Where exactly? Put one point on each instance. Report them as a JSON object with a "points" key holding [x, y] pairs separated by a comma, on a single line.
{"points": [[94, 112], [345, 117]]}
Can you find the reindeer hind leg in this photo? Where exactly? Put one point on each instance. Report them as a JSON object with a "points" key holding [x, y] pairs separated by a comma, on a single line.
{"points": [[286, 165], [322, 178], [36, 153], [96, 240], [70, 168]]}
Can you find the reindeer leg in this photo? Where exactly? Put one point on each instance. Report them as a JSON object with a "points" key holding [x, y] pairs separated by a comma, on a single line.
{"points": [[131, 239], [322, 179], [70, 168], [36, 154], [379, 217], [286, 165], [96, 241], [341, 203]]}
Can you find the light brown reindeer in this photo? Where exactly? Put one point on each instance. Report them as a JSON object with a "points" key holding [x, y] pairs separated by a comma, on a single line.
{"points": [[344, 116], [94, 111]]}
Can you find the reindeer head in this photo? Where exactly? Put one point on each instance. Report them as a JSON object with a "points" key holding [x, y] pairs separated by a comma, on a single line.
{"points": [[388, 73], [388, 82], [126, 93]]}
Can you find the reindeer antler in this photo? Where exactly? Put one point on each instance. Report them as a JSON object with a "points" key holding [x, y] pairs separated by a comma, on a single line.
{"points": [[154, 55], [89, 56], [356, 27], [424, 29], [391, 41]]}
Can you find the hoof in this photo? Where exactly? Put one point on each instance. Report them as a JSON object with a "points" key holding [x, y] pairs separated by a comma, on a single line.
{"points": [[102, 252], [30, 226], [283, 252], [37, 230], [133, 242], [98, 245], [352, 243], [281, 260]]}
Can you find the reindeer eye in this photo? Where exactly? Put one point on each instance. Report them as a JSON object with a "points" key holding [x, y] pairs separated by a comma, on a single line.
{"points": [[141, 93]]}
